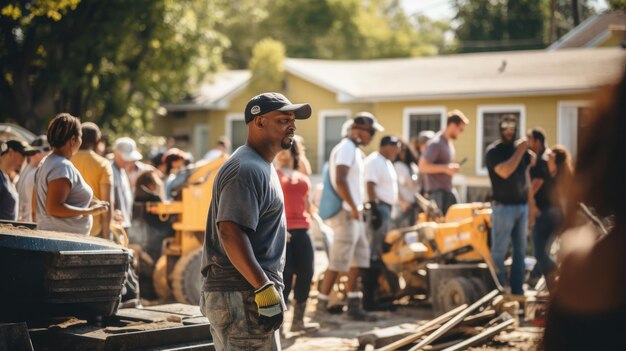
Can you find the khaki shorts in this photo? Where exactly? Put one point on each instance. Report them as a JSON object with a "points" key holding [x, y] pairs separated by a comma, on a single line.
{"points": [[350, 247]]}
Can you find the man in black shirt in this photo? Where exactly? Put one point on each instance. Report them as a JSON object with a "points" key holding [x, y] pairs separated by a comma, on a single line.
{"points": [[548, 216], [508, 162]]}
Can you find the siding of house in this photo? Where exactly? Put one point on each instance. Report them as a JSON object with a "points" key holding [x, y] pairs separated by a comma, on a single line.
{"points": [[540, 111], [300, 90]]}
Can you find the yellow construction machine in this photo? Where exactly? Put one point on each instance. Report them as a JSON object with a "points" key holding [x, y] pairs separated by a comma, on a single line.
{"points": [[444, 258], [177, 271]]}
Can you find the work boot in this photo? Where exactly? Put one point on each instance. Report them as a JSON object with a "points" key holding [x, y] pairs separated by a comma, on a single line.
{"points": [[298, 324], [356, 311], [322, 317]]}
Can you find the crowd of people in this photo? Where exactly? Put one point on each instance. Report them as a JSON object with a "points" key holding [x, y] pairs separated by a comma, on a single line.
{"points": [[261, 211]]}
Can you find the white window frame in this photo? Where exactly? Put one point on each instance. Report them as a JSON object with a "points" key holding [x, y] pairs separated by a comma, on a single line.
{"points": [[481, 110], [322, 115], [232, 117], [562, 134], [421, 110]]}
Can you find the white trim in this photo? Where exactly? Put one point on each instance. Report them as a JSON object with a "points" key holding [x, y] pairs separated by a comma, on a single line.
{"points": [[421, 110], [322, 115], [198, 131], [231, 117], [482, 109], [562, 134]]}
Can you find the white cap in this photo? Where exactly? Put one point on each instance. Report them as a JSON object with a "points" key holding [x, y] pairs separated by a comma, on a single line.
{"points": [[127, 148]]}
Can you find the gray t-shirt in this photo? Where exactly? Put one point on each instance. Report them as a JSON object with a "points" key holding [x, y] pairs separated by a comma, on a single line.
{"points": [[56, 167], [439, 151], [246, 191]]}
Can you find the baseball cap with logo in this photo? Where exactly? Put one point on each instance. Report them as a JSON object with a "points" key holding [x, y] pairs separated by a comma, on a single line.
{"points": [[268, 102], [127, 148], [17, 145]]}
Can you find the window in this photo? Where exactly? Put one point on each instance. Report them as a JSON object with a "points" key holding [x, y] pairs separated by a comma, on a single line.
{"points": [[417, 119], [330, 125], [201, 140], [236, 130], [488, 130], [573, 117]]}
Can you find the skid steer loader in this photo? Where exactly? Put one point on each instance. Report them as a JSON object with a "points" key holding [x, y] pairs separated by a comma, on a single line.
{"points": [[443, 258], [176, 273]]}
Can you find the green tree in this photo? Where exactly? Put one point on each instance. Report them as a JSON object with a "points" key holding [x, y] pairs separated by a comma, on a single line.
{"points": [[267, 66], [617, 5], [106, 61], [491, 25]]}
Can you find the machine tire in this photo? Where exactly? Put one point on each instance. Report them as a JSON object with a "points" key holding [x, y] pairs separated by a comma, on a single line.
{"points": [[480, 289], [456, 292], [160, 280], [186, 278]]}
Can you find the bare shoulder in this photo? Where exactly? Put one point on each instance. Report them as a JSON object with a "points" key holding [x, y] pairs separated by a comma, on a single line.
{"points": [[592, 277]]}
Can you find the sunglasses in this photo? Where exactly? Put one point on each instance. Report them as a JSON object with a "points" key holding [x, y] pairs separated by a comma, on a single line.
{"points": [[508, 125]]}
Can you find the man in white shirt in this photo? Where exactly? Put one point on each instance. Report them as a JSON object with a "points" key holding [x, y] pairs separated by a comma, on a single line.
{"points": [[350, 250], [381, 183]]}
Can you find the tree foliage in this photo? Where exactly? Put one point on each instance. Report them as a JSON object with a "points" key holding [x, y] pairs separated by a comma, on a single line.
{"points": [[329, 29], [617, 5], [111, 62], [267, 66], [491, 25]]}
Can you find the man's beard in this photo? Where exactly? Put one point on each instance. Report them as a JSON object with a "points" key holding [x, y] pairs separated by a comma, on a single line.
{"points": [[287, 145]]}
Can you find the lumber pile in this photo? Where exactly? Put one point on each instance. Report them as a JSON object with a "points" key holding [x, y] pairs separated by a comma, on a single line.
{"points": [[456, 330]]}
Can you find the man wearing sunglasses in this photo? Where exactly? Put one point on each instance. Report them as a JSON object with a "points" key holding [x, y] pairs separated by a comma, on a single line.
{"points": [[350, 251], [26, 183], [508, 163]]}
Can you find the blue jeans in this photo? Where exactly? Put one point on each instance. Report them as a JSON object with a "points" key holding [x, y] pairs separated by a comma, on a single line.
{"points": [[235, 323], [544, 232], [510, 224]]}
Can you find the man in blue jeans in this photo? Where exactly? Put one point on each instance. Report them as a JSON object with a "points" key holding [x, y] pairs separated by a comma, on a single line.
{"points": [[508, 163]]}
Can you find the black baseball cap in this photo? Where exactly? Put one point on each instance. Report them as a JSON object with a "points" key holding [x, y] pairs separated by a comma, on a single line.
{"points": [[17, 145], [389, 140], [268, 102]]}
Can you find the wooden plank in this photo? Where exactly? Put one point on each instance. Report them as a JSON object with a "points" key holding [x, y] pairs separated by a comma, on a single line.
{"points": [[455, 320], [423, 329], [480, 338]]}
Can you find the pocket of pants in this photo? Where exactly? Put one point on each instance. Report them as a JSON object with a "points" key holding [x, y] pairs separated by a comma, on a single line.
{"points": [[216, 308]]}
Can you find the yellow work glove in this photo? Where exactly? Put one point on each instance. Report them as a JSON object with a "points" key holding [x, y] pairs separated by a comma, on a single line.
{"points": [[269, 305]]}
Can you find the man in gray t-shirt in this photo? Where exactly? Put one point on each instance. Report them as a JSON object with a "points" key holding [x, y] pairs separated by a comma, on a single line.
{"points": [[437, 162], [244, 247]]}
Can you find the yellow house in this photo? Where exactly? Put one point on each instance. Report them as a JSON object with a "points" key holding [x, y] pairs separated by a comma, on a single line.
{"points": [[542, 88]]}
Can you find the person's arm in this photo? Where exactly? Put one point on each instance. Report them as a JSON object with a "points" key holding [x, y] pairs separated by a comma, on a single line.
{"points": [[429, 168], [107, 215], [33, 205], [506, 168], [343, 190], [535, 185], [58, 192], [371, 191], [240, 253]]}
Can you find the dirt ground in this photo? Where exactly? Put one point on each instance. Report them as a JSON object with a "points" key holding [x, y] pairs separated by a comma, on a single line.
{"points": [[345, 337]]}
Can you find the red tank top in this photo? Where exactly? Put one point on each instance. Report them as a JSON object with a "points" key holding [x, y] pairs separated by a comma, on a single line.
{"points": [[296, 190]]}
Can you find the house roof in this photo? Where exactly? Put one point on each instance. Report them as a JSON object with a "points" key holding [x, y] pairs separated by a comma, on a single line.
{"points": [[514, 73], [214, 93], [590, 32]]}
